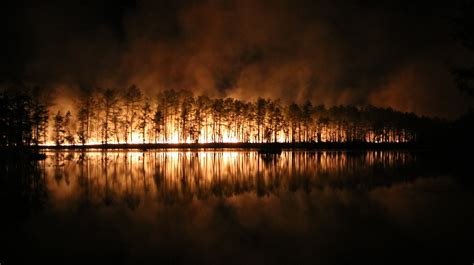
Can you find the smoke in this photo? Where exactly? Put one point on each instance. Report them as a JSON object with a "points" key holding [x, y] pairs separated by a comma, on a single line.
{"points": [[330, 52], [413, 89]]}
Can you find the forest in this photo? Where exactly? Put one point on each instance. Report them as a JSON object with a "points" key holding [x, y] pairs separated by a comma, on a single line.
{"points": [[112, 116]]}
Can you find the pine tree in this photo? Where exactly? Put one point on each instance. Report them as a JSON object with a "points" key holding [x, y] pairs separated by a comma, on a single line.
{"points": [[132, 98], [59, 129], [69, 136], [143, 119], [109, 100], [40, 119]]}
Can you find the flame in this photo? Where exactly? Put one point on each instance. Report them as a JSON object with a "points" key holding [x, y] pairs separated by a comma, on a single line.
{"points": [[174, 138], [225, 131]]}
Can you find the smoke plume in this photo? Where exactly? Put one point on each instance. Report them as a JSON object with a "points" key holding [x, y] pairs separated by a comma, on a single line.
{"points": [[387, 54]]}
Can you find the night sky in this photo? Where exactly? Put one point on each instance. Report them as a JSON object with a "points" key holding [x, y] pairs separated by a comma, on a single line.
{"points": [[395, 54]]}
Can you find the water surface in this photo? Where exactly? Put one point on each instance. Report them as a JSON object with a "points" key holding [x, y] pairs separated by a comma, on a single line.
{"points": [[236, 207]]}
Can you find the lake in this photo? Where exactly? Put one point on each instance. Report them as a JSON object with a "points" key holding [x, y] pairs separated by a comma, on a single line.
{"points": [[237, 207]]}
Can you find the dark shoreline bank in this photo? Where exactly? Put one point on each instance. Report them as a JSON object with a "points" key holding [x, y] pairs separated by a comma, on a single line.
{"points": [[37, 152]]}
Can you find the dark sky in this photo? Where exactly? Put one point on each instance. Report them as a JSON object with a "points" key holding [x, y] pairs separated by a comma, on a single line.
{"points": [[387, 53]]}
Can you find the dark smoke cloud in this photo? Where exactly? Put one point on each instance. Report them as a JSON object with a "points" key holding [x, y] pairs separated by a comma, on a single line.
{"points": [[390, 54]]}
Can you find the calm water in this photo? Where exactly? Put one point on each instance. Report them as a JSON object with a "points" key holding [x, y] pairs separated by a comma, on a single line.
{"points": [[237, 207]]}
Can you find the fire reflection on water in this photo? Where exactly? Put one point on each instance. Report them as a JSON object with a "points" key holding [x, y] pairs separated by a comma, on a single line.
{"points": [[231, 206], [181, 176]]}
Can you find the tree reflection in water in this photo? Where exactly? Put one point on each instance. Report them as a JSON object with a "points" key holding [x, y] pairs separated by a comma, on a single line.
{"points": [[236, 207], [177, 177]]}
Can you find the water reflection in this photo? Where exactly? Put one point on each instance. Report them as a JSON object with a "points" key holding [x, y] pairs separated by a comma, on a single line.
{"points": [[235, 207], [171, 177], [23, 188]]}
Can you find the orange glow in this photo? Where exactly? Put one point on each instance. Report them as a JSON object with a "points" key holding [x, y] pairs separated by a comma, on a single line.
{"points": [[180, 117], [184, 175]]}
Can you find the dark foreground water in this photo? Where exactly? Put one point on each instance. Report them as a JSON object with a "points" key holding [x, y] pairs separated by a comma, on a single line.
{"points": [[237, 207]]}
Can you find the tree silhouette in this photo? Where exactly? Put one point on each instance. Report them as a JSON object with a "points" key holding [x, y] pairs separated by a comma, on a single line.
{"points": [[59, 129], [102, 116], [85, 114], [132, 97], [39, 121], [109, 100], [186, 101], [144, 119], [261, 107], [69, 136]]}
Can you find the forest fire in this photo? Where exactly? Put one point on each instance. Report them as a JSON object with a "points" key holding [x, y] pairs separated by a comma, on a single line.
{"points": [[236, 131], [107, 117]]}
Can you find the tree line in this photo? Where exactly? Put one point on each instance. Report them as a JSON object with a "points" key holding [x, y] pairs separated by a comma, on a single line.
{"points": [[107, 116], [23, 118]]}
